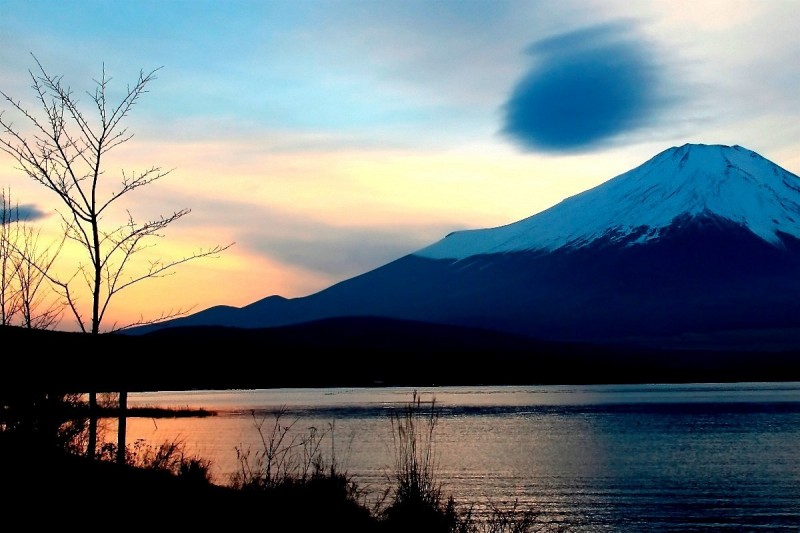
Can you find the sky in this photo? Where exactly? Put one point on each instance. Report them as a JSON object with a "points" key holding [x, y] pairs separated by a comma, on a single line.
{"points": [[325, 138]]}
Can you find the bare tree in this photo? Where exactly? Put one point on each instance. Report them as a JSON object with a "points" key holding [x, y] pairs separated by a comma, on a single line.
{"points": [[65, 154]]}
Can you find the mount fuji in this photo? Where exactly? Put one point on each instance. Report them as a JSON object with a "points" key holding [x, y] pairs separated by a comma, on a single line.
{"points": [[699, 242]]}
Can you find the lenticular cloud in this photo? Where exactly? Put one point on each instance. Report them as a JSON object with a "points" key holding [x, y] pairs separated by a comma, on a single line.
{"points": [[583, 88]]}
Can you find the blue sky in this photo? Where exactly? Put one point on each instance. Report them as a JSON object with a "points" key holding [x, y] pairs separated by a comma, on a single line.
{"points": [[327, 138]]}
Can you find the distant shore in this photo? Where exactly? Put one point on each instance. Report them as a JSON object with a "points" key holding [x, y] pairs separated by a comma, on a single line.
{"points": [[155, 412]]}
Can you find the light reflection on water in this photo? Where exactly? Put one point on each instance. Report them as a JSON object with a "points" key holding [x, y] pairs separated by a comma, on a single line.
{"points": [[595, 458]]}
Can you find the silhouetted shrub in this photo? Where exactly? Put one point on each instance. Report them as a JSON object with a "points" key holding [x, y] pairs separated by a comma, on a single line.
{"points": [[416, 499], [416, 503], [169, 456]]}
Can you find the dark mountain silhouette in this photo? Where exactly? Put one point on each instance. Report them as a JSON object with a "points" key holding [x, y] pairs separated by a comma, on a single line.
{"points": [[697, 247]]}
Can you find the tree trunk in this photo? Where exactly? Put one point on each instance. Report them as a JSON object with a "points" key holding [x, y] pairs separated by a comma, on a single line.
{"points": [[122, 426], [91, 446]]}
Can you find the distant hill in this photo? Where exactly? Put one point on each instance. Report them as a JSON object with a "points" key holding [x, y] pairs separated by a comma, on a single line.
{"points": [[356, 351]]}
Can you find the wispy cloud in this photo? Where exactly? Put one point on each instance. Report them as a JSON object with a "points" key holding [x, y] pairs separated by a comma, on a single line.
{"points": [[339, 253], [334, 251]]}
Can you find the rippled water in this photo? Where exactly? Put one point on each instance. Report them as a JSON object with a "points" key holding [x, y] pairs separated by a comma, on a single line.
{"points": [[722, 457]]}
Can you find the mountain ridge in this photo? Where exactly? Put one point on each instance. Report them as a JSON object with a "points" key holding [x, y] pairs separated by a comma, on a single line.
{"points": [[710, 244]]}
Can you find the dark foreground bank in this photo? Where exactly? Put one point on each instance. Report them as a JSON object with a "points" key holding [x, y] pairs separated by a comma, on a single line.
{"points": [[48, 482], [47, 489]]}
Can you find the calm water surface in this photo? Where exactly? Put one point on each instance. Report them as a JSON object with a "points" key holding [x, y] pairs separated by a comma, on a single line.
{"points": [[696, 457]]}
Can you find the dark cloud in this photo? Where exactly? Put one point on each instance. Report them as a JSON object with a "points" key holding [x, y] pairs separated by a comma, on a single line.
{"points": [[21, 213], [584, 88]]}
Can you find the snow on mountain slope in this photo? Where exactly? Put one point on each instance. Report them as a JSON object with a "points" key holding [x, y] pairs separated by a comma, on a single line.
{"points": [[732, 183]]}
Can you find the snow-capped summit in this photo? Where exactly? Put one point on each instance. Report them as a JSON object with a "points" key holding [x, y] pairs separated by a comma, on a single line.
{"points": [[728, 182]]}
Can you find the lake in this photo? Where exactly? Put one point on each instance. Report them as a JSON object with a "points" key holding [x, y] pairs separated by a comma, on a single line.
{"points": [[682, 457]]}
